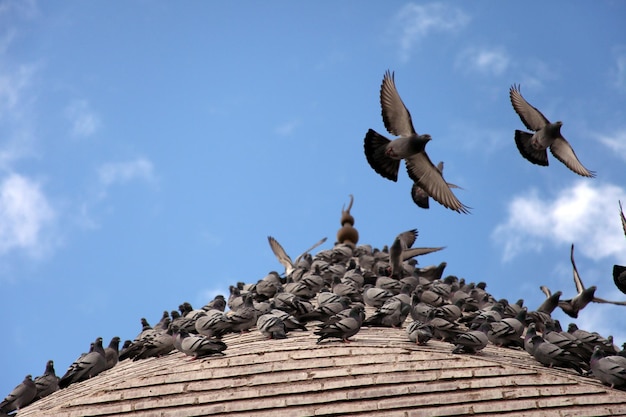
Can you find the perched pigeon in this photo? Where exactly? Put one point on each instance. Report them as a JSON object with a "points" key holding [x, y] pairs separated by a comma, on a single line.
{"points": [[284, 259], [244, 318], [607, 369], [472, 341], [547, 135], [343, 328], [85, 367], [198, 346], [271, 326], [384, 155], [48, 382], [419, 332], [111, 353], [551, 355], [420, 196], [21, 396], [161, 344]]}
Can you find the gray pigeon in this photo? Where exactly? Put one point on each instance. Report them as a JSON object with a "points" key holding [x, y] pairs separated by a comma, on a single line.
{"points": [[111, 353], [271, 326], [401, 250], [619, 271], [547, 135], [420, 196], [611, 370], [384, 155], [284, 259], [244, 318], [161, 344], [48, 382], [551, 355], [85, 367], [343, 328], [472, 341], [419, 332], [21, 396], [584, 296], [197, 346]]}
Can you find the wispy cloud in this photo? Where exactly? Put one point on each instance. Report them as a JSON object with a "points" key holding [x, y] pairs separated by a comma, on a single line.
{"points": [[25, 215], [83, 120], [616, 142], [619, 71], [488, 61], [584, 214], [416, 21], [287, 128], [139, 168]]}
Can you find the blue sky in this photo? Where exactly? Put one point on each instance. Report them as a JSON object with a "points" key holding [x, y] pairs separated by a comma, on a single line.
{"points": [[147, 149]]}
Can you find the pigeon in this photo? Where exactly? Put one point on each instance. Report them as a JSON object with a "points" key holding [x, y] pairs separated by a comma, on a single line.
{"points": [[419, 332], [271, 326], [161, 344], [508, 331], [391, 314], [619, 271], [607, 369], [284, 259], [343, 328], [573, 306], [21, 396], [547, 135], [384, 155], [85, 367], [401, 250], [420, 196], [213, 323], [111, 353], [197, 346], [472, 341], [551, 355], [48, 382], [244, 318]]}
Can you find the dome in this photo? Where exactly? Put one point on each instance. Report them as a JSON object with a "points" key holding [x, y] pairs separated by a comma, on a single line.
{"points": [[379, 373]]}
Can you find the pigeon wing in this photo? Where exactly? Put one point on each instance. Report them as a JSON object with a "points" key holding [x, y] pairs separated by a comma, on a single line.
{"points": [[396, 116], [562, 150], [530, 116]]}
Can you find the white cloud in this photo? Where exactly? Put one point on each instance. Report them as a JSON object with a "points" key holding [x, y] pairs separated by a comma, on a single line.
{"points": [[484, 60], [123, 172], [25, 214], [84, 121], [619, 76], [584, 214], [287, 129], [416, 21], [616, 142]]}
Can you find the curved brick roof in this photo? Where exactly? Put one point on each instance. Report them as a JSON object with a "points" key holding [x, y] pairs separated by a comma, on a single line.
{"points": [[380, 373]]}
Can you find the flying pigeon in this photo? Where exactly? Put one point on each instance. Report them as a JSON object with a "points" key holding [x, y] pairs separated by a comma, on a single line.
{"points": [[420, 196], [619, 271], [401, 250], [86, 366], [48, 382], [384, 155], [21, 396], [284, 259], [547, 135], [584, 296]]}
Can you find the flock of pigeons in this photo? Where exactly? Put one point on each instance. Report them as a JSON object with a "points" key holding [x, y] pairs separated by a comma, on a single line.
{"points": [[384, 155], [333, 287]]}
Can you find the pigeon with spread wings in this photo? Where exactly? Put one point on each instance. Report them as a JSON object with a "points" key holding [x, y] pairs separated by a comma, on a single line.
{"points": [[533, 146], [384, 155], [619, 271], [284, 259]]}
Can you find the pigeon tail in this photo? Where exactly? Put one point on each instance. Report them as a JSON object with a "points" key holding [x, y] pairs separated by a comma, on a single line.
{"points": [[525, 147], [375, 145]]}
